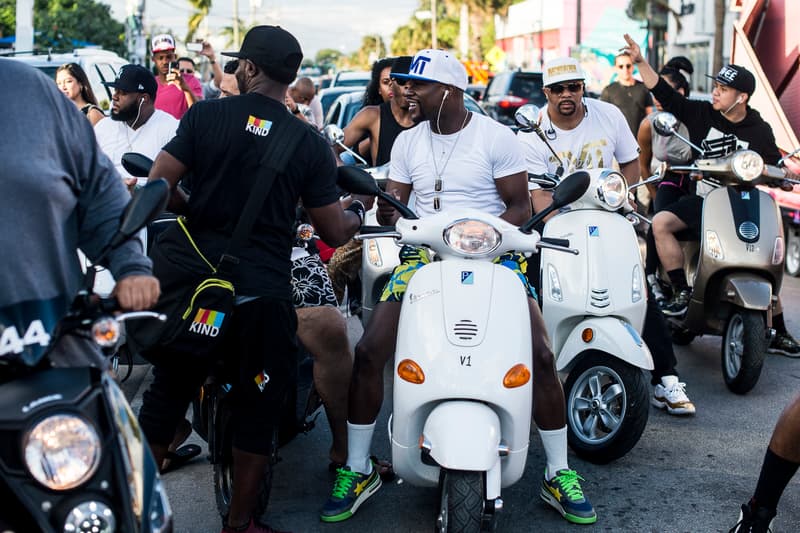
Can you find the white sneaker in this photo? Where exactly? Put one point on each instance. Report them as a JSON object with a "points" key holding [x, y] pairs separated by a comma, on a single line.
{"points": [[673, 399]]}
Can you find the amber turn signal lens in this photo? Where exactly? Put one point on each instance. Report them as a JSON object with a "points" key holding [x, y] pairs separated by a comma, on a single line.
{"points": [[410, 371], [517, 376], [587, 335]]}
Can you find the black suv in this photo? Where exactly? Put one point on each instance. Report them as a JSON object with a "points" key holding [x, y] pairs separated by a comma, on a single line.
{"points": [[508, 91]]}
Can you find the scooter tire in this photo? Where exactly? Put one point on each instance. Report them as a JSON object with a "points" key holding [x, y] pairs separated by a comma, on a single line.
{"points": [[588, 432], [792, 263], [461, 502], [744, 347]]}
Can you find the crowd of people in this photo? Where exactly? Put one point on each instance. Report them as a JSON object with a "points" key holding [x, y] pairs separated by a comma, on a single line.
{"points": [[414, 119]]}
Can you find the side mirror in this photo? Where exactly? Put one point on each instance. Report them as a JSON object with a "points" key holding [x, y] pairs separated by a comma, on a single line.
{"points": [[527, 117], [147, 203], [358, 181], [665, 124], [570, 189], [136, 164], [333, 133]]}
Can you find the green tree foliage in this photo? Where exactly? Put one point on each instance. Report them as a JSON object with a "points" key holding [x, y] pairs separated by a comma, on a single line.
{"points": [[372, 48], [201, 9], [327, 58], [57, 23]]}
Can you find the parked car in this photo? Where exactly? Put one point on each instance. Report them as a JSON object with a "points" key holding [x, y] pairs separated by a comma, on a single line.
{"points": [[329, 95], [99, 65], [358, 78], [345, 107], [507, 91]]}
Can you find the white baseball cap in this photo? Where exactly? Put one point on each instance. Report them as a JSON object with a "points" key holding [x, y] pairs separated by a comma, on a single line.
{"points": [[162, 43], [562, 69], [436, 66]]}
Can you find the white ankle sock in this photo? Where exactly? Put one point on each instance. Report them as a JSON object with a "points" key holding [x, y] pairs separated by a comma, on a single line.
{"points": [[669, 381], [554, 442], [359, 441]]}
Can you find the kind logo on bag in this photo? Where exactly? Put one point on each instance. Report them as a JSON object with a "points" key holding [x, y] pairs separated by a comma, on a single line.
{"points": [[207, 322]]}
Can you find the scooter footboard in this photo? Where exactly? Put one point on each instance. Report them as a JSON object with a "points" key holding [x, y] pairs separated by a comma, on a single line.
{"points": [[610, 335], [747, 291]]}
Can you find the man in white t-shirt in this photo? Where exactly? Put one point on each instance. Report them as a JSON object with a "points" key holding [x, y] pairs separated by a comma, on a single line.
{"points": [[452, 159], [135, 125], [593, 134]]}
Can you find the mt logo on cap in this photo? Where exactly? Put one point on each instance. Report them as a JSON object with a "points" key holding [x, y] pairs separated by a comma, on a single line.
{"points": [[436, 66]]}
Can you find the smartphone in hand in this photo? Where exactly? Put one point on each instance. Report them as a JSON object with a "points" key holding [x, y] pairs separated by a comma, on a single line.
{"points": [[194, 47]]}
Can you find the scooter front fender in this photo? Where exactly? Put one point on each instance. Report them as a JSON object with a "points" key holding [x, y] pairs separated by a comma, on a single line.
{"points": [[611, 335], [463, 435], [747, 291]]}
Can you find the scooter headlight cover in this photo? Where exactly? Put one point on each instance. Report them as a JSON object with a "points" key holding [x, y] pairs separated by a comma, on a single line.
{"points": [[62, 451], [747, 165], [613, 190], [472, 237]]}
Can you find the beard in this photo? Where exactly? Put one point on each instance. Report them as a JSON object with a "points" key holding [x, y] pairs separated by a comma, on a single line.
{"points": [[125, 114], [566, 108]]}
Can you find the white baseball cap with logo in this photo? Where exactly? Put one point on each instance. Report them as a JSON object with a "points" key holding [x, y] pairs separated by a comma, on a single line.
{"points": [[562, 69], [438, 66], [162, 43]]}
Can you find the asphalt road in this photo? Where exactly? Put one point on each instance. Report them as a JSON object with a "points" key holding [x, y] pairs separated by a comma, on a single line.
{"points": [[684, 475]]}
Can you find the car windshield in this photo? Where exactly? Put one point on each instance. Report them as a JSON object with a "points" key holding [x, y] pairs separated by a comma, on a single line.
{"points": [[529, 87]]}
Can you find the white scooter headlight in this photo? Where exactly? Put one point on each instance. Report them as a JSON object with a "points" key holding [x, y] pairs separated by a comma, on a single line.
{"points": [[747, 165], [613, 190], [472, 237], [62, 451]]}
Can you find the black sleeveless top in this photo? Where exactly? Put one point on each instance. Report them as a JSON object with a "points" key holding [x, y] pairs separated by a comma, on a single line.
{"points": [[89, 107], [387, 133]]}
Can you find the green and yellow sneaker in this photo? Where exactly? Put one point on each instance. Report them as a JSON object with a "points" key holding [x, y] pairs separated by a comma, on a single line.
{"points": [[564, 493], [350, 490]]}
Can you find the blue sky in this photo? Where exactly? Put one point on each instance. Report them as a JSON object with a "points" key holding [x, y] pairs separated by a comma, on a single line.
{"points": [[317, 24]]}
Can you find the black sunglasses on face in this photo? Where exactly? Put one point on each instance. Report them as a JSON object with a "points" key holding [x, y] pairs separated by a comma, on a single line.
{"points": [[625, 66], [187, 71], [571, 87]]}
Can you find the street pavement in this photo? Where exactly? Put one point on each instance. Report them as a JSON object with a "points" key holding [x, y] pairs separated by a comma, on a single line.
{"points": [[684, 475]]}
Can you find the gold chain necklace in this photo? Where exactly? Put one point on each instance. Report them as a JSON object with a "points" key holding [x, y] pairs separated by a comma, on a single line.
{"points": [[437, 184]]}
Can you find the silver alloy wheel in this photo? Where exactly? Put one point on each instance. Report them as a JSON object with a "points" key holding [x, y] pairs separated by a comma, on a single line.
{"points": [[792, 252], [734, 344], [597, 405]]}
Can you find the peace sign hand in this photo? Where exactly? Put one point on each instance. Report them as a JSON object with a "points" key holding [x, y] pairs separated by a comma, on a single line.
{"points": [[633, 49]]}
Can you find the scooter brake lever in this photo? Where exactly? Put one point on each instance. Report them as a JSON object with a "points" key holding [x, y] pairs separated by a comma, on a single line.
{"points": [[557, 248], [635, 218]]}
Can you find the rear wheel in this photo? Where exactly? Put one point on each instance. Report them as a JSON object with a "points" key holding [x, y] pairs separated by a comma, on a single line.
{"points": [[607, 407], [744, 346], [461, 503]]}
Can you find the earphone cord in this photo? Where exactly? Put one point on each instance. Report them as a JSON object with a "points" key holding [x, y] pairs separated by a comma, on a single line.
{"points": [[138, 113]]}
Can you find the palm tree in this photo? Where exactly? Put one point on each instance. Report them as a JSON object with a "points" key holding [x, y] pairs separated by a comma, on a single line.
{"points": [[201, 9]]}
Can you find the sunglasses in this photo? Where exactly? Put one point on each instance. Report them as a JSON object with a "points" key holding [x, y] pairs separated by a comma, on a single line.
{"points": [[626, 66], [571, 87], [187, 71]]}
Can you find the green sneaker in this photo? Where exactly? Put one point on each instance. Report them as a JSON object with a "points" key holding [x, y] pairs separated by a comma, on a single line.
{"points": [[564, 493], [350, 490]]}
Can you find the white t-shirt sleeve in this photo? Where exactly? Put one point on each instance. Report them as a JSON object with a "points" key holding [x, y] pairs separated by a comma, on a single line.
{"points": [[509, 155], [627, 148], [536, 161], [399, 159]]}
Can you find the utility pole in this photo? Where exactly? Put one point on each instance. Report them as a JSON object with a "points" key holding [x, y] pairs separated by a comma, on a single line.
{"points": [[578, 22], [23, 40], [434, 41], [236, 24]]}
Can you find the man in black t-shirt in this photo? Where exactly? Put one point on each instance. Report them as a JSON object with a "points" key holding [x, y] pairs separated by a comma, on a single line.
{"points": [[221, 142]]}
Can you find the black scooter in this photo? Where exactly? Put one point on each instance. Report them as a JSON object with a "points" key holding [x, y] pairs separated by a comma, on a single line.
{"points": [[72, 455]]}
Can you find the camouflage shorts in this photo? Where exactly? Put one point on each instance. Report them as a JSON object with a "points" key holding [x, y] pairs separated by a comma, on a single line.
{"points": [[413, 258]]}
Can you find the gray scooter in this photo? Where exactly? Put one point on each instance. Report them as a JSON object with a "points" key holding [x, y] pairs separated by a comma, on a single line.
{"points": [[736, 268]]}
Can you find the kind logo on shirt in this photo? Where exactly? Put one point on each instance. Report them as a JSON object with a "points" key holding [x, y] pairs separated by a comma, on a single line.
{"points": [[207, 322], [258, 126]]}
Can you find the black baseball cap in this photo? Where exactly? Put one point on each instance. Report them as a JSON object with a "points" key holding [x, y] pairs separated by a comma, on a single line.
{"points": [[736, 77], [401, 65], [273, 49], [134, 79]]}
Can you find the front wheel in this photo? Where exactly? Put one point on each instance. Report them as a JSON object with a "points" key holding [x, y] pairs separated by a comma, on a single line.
{"points": [[792, 251], [607, 407], [744, 345], [461, 503]]}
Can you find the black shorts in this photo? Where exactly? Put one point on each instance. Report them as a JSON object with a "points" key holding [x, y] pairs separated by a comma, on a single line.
{"points": [[260, 362], [689, 209]]}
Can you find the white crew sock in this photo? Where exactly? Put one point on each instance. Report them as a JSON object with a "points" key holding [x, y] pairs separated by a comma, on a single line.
{"points": [[359, 441], [554, 442], [669, 381]]}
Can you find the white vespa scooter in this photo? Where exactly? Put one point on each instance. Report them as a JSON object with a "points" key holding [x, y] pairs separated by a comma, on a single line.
{"points": [[462, 381], [593, 305]]}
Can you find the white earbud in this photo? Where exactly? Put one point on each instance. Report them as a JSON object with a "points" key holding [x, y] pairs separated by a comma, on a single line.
{"points": [[141, 101], [446, 92], [739, 100]]}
